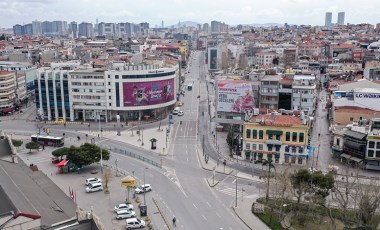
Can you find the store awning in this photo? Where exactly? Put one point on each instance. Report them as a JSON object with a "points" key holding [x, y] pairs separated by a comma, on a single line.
{"points": [[7, 110], [274, 132], [62, 163], [349, 157]]}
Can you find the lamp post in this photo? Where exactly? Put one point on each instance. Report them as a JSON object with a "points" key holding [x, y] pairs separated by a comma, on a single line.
{"points": [[101, 158], [236, 190], [116, 167], [144, 186], [142, 137]]}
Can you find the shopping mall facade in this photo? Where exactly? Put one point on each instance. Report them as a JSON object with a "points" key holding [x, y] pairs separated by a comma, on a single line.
{"points": [[85, 94]]}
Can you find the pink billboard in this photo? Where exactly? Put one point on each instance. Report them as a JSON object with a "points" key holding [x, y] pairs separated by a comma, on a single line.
{"points": [[148, 93]]}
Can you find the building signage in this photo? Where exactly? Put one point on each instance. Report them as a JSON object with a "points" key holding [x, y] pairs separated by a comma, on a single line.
{"points": [[235, 96], [367, 95], [148, 93]]}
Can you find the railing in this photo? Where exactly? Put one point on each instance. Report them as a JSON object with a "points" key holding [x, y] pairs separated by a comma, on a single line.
{"points": [[136, 156]]}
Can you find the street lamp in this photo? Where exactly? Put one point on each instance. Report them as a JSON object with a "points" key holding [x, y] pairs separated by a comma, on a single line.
{"points": [[142, 137], [116, 167], [144, 186]]}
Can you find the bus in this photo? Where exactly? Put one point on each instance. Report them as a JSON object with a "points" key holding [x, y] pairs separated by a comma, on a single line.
{"points": [[48, 140], [190, 86]]}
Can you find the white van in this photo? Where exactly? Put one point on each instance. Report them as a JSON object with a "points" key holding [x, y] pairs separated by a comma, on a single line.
{"points": [[176, 110], [94, 187], [134, 223]]}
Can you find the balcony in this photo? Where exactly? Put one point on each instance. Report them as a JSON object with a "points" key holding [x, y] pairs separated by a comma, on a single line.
{"points": [[273, 142], [284, 90], [266, 93]]}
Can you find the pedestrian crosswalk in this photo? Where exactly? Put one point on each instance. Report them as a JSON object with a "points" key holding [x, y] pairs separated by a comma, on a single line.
{"points": [[230, 191]]}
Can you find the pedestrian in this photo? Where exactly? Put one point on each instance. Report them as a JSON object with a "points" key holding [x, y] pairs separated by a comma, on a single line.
{"points": [[43, 147], [174, 220]]}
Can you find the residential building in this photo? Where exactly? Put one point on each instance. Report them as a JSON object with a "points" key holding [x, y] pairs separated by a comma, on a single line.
{"points": [[7, 91], [73, 29], [47, 27], [18, 29], [106, 29], [28, 29], [372, 156], [265, 58], [280, 138], [304, 93], [328, 19], [269, 91], [37, 28], [206, 28], [85, 29], [341, 18], [285, 92]]}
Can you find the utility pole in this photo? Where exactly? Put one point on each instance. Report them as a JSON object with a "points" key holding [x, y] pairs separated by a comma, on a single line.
{"points": [[203, 141], [236, 190]]}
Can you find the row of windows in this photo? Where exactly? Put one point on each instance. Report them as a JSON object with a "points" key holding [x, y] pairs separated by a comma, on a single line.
{"points": [[88, 77], [371, 145], [144, 75], [276, 148], [89, 97], [371, 153], [288, 159], [260, 135]]}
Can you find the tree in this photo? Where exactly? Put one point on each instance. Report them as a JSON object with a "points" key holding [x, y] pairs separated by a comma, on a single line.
{"points": [[61, 152], [369, 202], [32, 145], [86, 154], [270, 165], [16, 143], [107, 177], [300, 183]]}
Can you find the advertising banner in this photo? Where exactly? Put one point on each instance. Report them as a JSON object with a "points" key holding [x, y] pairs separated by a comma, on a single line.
{"points": [[235, 96], [148, 93]]}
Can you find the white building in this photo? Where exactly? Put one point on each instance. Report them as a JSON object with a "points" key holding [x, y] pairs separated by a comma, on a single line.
{"points": [[304, 93], [133, 92], [265, 58]]}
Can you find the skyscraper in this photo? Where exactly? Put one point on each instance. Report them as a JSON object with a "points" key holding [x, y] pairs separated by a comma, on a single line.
{"points": [[328, 19], [74, 29], [37, 28], [85, 29], [341, 18]]}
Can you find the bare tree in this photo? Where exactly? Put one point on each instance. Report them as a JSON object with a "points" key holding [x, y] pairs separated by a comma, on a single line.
{"points": [[107, 177], [368, 202]]}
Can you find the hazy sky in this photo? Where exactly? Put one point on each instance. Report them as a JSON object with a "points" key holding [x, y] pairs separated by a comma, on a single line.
{"points": [[171, 11]]}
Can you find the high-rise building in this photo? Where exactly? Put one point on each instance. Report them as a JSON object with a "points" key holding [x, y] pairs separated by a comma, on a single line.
{"points": [[206, 28], [28, 29], [73, 27], [106, 29], [341, 18], [37, 28], [85, 29], [215, 26], [328, 19], [144, 26], [47, 27], [18, 29]]}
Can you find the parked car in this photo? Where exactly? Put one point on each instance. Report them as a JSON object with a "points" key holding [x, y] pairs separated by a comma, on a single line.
{"points": [[134, 223], [93, 180], [124, 214], [180, 113], [123, 207], [143, 188], [95, 187]]}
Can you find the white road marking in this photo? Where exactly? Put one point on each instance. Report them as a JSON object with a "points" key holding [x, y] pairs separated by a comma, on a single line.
{"points": [[233, 182], [218, 215], [195, 205], [187, 158], [208, 203], [204, 217]]}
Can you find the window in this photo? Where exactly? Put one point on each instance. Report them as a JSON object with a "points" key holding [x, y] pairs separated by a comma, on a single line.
{"points": [[110, 104], [109, 83], [109, 76], [254, 133], [293, 160], [351, 119], [278, 137], [278, 147], [300, 160], [286, 149], [286, 159], [377, 154], [300, 150], [253, 146], [247, 146], [261, 134], [270, 136], [260, 147], [370, 153], [270, 148], [109, 97], [109, 90], [371, 144], [294, 149], [301, 139], [378, 145], [116, 76], [248, 133], [294, 139], [287, 136]]}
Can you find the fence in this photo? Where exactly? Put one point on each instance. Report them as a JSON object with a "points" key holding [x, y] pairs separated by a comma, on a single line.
{"points": [[136, 156]]}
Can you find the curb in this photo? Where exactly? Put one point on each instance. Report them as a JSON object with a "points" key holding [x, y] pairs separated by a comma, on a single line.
{"points": [[233, 208], [162, 214]]}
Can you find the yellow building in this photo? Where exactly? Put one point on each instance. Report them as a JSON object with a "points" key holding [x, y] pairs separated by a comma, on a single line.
{"points": [[280, 138]]}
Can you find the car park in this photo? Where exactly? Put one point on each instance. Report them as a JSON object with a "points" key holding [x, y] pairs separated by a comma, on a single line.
{"points": [[133, 223], [93, 180], [123, 207], [143, 188], [94, 187], [180, 113], [124, 214]]}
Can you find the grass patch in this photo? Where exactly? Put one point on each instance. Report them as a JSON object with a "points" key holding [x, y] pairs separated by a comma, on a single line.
{"points": [[272, 223]]}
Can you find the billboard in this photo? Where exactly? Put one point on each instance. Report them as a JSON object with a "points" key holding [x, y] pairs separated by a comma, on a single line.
{"points": [[235, 96], [148, 93]]}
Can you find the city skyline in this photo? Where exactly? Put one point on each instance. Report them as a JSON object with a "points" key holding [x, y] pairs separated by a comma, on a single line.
{"points": [[238, 12]]}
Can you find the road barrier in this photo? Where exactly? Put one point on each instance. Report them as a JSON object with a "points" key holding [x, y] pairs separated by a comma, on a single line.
{"points": [[136, 156], [162, 214]]}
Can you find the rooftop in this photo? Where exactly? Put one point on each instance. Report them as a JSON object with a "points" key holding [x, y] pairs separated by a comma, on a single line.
{"points": [[279, 120]]}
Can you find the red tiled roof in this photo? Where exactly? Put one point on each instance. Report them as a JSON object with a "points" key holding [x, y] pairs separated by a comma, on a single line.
{"points": [[343, 46]]}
